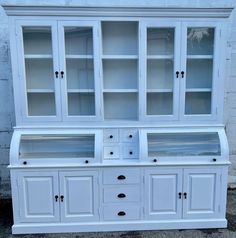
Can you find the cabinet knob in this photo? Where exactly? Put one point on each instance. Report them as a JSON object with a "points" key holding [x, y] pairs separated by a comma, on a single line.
{"points": [[25, 163], [56, 198], [86, 161], [130, 136], [121, 177], [56, 74], [131, 152], [155, 160], [121, 213], [111, 136], [177, 74], [214, 159], [121, 195], [182, 74], [62, 198], [185, 195], [111, 153], [62, 74]]}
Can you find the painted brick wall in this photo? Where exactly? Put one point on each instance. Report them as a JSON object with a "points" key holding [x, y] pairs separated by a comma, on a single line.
{"points": [[7, 120]]}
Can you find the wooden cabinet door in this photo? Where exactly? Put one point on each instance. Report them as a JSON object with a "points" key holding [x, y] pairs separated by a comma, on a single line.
{"points": [[80, 191], [202, 188], [162, 193], [37, 191]]}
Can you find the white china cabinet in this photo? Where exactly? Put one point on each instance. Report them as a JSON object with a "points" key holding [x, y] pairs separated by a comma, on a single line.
{"points": [[119, 118]]}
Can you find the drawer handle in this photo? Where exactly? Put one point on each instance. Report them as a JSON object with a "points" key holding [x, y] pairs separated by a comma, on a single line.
{"points": [[111, 153], [130, 136], [111, 136], [122, 213], [121, 177], [131, 152], [121, 195]]}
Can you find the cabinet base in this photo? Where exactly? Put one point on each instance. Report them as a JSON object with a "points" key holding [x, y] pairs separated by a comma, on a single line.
{"points": [[117, 226]]}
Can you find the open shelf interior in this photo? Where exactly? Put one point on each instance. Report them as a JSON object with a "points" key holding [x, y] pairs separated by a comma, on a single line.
{"points": [[183, 144], [120, 38], [120, 106], [57, 146]]}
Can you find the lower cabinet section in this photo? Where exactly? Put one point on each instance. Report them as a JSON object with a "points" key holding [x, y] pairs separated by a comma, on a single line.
{"points": [[104, 198]]}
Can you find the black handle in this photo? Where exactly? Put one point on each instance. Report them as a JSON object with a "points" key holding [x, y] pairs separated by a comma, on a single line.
{"points": [[185, 195], [86, 161], [121, 195], [111, 136], [130, 136], [25, 163], [180, 194], [214, 159], [56, 73], [121, 177], [121, 213], [111, 153], [131, 152], [62, 74], [182, 74], [155, 160], [62, 198], [177, 74], [56, 198]]}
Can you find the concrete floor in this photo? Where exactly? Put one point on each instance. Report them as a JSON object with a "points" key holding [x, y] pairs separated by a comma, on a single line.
{"points": [[230, 232]]}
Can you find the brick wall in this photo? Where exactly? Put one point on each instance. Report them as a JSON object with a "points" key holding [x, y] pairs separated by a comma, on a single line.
{"points": [[7, 120]]}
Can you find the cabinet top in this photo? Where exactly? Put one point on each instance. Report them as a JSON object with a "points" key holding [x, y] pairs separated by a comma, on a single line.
{"points": [[111, 11]]}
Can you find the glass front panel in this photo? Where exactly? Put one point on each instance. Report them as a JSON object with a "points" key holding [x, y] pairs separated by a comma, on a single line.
{"points": [[57, 146], [199, 68], [80, 71], [39, 71], [160, 68], [183, 144]]}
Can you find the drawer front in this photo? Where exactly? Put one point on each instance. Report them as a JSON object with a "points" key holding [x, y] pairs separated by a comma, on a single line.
{"points": [[129, 135], [111, 152], [111, 135], [119, 212], [121, 176], [130, 152], [121, 194]]}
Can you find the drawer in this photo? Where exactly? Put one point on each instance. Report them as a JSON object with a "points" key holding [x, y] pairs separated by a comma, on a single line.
{"points": [[111, 152], [121, 176], [130, 152], [121, 194], [111, 135], [121, 212], [129, 135]]}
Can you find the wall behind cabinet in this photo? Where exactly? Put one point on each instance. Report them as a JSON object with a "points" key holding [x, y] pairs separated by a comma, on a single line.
{"points": [[7, 117]]}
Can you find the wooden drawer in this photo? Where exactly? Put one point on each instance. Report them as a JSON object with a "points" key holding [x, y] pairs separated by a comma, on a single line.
{"points": [[119, 212], [130, 152], [129, 135], [111, 135], [121, 176], [111, 152], [121, 194]]}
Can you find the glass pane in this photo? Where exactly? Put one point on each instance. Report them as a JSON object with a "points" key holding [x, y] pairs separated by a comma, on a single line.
{"points": [[56, 146], [183, 144], [79, 40], [160, 41]]}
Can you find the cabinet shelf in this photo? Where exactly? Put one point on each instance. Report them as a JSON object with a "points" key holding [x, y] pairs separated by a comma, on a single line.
{"points": [[120, 90], [79, 56], [38, 56], [199, 56], [119, 57], [40, 91], [198, 90], [80, 90], [160, 56], [159, 90]]}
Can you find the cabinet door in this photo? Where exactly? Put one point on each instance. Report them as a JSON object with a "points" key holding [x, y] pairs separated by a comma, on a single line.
{"points": [[160, 60], [80, 191], [202, 188], [39, 83], [162, 193], [200, 79], [37, 191], [79, 63]]}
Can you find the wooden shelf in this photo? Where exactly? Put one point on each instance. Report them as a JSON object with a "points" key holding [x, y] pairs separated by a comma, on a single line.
{"points": [[198, 90], [161, 57], [79, 56], [120, 57], [120, 90], [37, 56], [80, 90], [159, 90], [40, 91], [199, 56]]}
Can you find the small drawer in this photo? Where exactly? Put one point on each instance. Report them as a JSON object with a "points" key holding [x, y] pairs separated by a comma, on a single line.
{"points": [[121, 176], [130, 152], [111, 135], [129, 135], [121, 194], [119, 212], [111, 152]]}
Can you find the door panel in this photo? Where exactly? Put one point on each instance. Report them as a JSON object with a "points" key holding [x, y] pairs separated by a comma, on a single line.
{"points": [[80, 191], [37, 196], [162, 193], [202, 188]]}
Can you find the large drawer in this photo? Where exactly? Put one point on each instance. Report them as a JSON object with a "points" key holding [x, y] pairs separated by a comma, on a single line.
{"points": [[121, 176], [121, 193], [121, 212]]}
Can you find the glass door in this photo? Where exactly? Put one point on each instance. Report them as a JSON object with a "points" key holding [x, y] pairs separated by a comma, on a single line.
{"points": [[161, 71], [78, 63], [38, 46]]}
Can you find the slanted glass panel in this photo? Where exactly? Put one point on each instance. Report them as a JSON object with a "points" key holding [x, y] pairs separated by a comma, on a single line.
{"points": [[57, 146], [183, 144]]}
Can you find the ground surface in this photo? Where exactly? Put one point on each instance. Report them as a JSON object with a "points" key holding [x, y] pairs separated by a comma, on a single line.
{"points": [[230, 232]]}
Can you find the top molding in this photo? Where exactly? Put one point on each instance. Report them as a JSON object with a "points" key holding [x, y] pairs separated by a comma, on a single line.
{"points": [[17, 10]]}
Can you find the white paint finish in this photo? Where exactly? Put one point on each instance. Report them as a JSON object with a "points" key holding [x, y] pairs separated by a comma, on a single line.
{"points": [[111, 152], [37, 193], [80, 191], [110, 135]]}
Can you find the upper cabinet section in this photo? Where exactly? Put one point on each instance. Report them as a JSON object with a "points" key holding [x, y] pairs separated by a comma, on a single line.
{"points": [[119, 69]]}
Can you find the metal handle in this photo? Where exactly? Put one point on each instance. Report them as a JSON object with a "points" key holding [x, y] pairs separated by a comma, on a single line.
{"points": [[62, 198], [121, 213], [111, 153], [56, 73], [182, 74], [56, 198], [121, 195], [130, 136], [131, 152], [155, 160], [121, 177], [214, 159], [185, 195], [62, 74], [25, 163], [180, 195], [86, 161], [111, 136], [177, 74]]}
